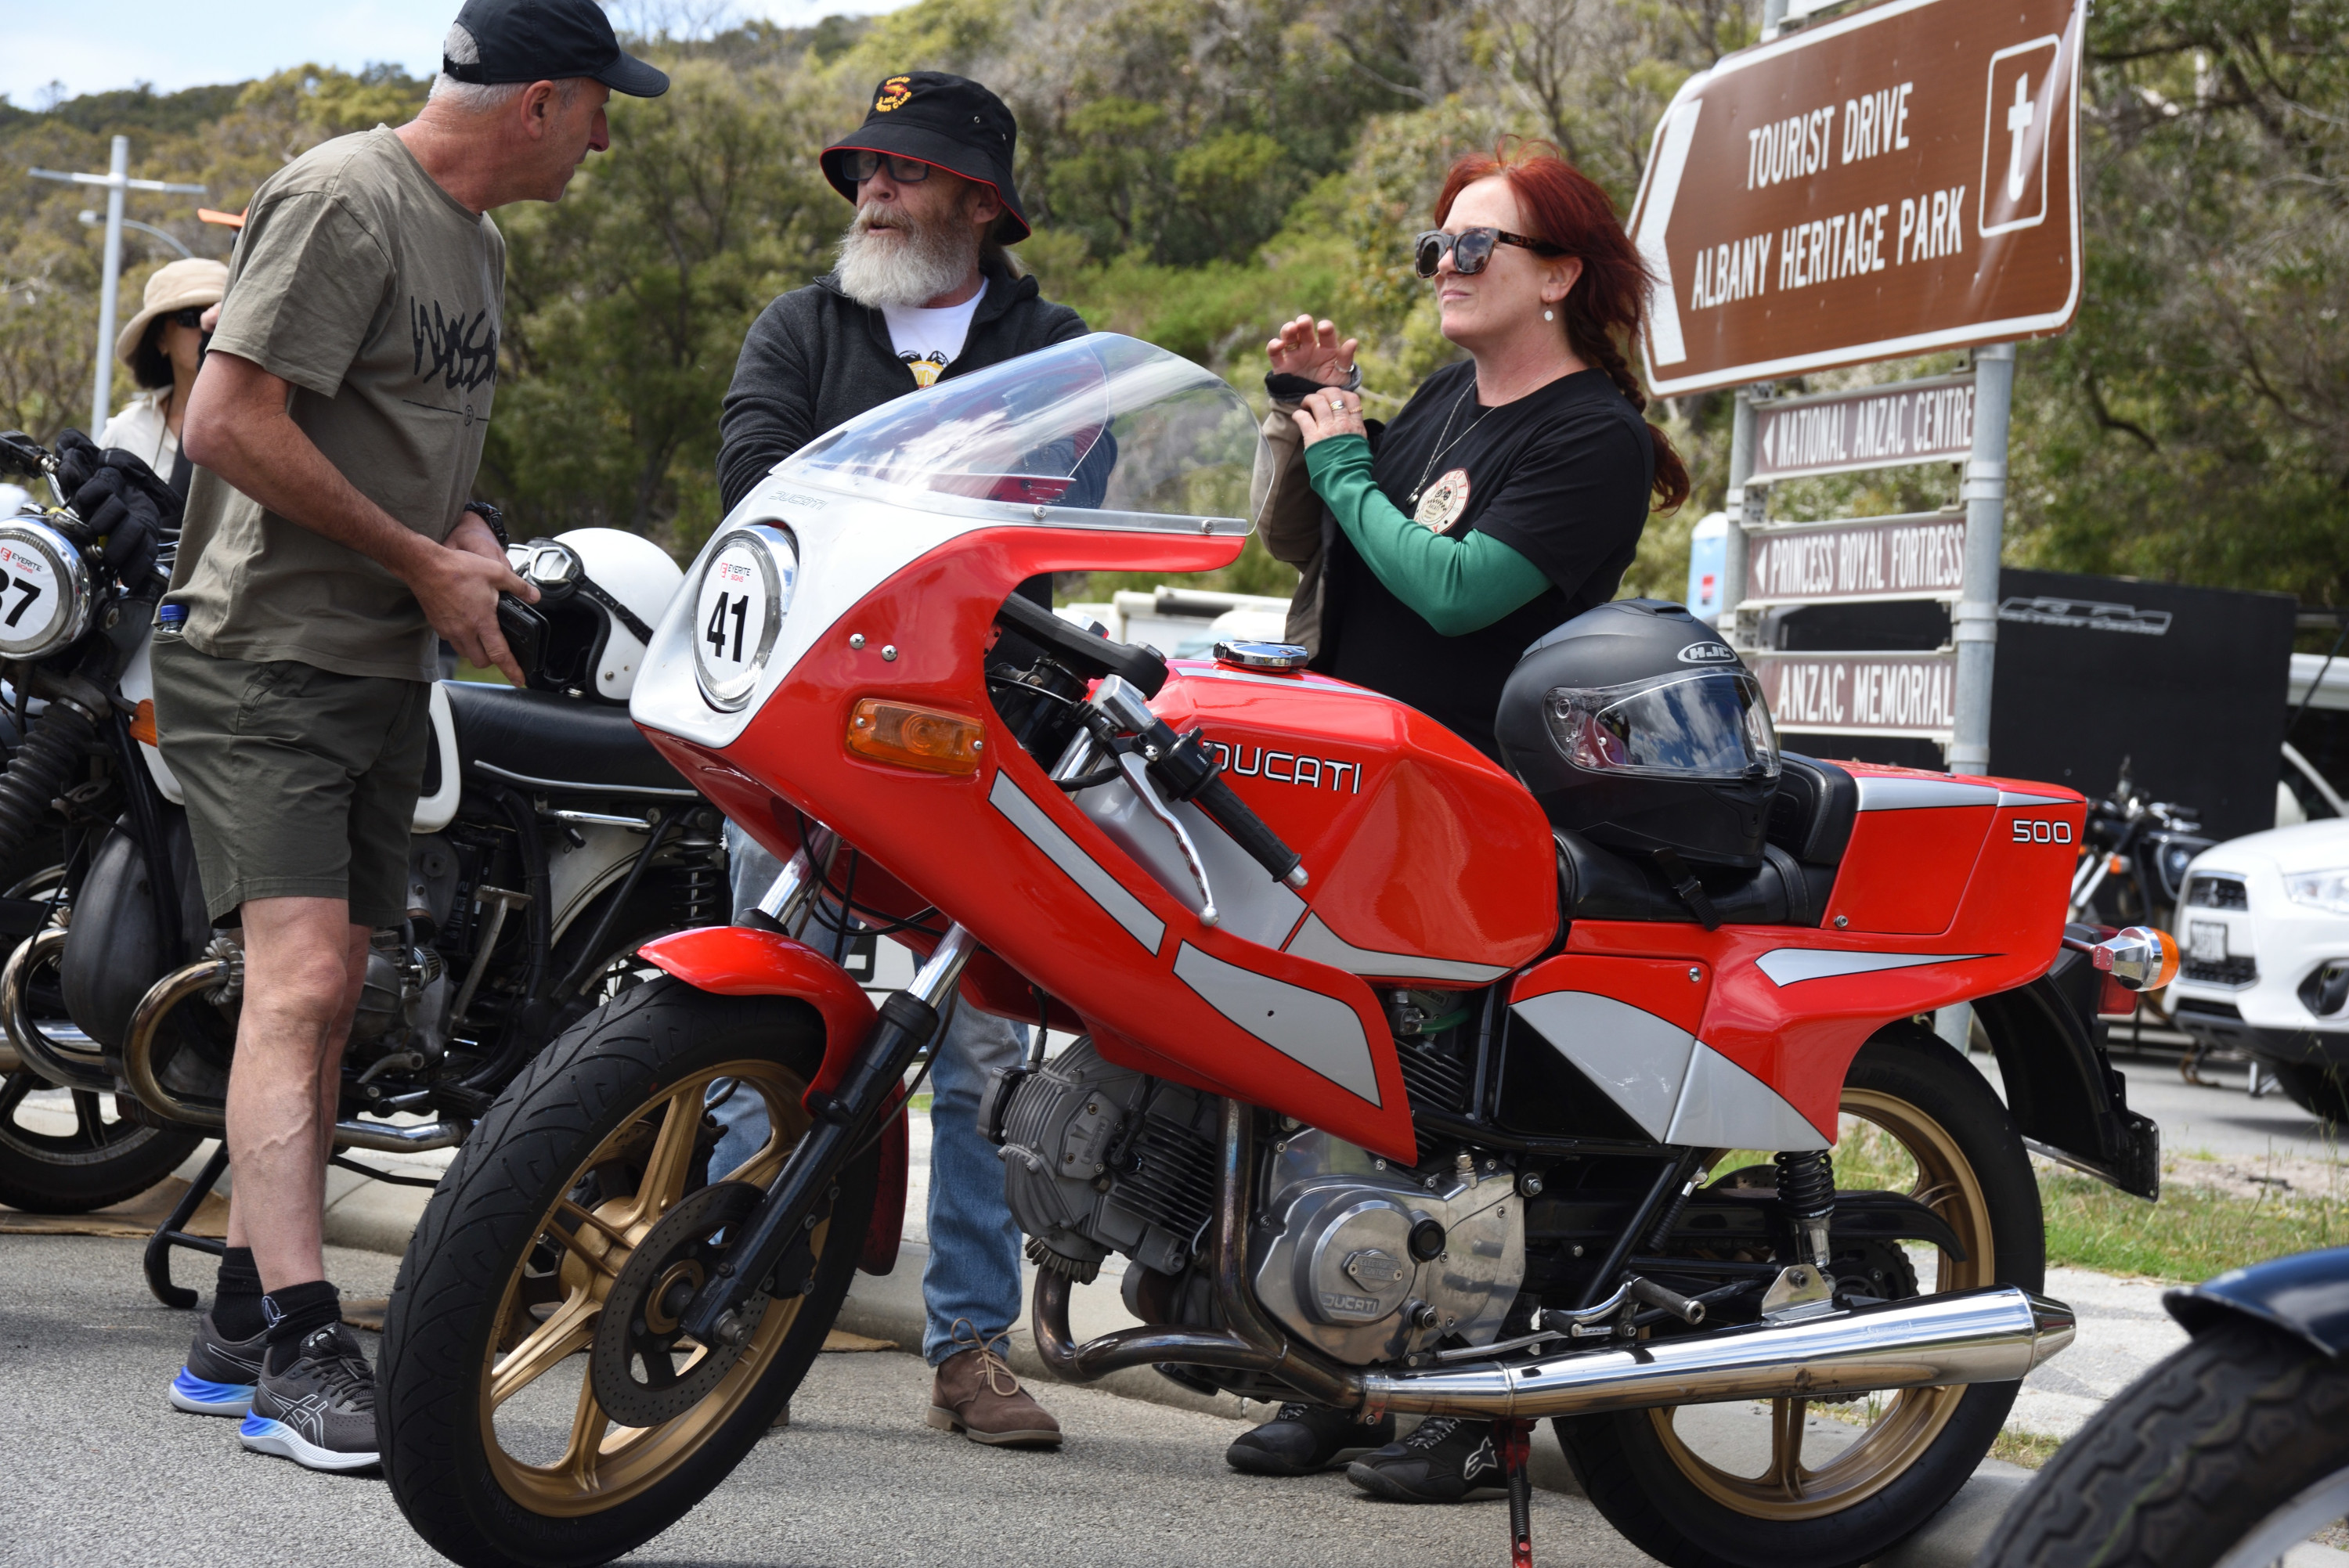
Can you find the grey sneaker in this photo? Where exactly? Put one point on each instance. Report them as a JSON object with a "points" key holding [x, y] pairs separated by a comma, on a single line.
{"points": [[319, 1411], [220, 1374]]}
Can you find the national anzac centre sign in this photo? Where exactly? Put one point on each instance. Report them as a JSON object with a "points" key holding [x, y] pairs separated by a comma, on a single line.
{"points": [[1884, 184]]}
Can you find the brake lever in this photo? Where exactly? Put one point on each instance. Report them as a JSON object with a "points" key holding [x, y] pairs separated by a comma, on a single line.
{"points": [[1136, 774]]}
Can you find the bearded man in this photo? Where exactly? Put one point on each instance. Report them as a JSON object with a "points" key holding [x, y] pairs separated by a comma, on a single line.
{"points": [[925, 290]]}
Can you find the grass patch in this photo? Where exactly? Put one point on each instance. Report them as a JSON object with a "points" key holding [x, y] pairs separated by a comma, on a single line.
{"points": [[2190, 1235], [2029, 1449]]}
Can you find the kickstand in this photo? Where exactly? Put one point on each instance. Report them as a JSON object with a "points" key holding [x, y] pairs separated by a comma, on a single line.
{"points": [[1515, 1441], [172, 1233]]}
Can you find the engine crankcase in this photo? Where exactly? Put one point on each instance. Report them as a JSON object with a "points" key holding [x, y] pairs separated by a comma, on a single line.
{"points": [[1100, 1158], [1371, 1264]]}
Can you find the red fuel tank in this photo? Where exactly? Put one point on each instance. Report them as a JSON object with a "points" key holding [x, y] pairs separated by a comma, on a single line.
{"points": [[1428, 862]]}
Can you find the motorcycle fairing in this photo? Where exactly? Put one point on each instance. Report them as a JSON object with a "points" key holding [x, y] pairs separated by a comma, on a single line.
{"points": [[1034, 894], [1791, 1005]]}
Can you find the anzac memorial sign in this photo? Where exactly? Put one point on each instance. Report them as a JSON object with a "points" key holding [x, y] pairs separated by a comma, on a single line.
{"points": [[1887, 183]]}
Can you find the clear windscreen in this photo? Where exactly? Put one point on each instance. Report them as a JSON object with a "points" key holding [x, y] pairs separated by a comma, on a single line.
{"points": [[1709, 726], [1102, 425]]}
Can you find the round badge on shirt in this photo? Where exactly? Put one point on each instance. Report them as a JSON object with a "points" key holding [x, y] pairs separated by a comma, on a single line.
{"points": [[1443, 502]]}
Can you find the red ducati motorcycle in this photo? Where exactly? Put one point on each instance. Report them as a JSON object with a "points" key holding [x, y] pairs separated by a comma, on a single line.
{"points": [[1396, 1090]]}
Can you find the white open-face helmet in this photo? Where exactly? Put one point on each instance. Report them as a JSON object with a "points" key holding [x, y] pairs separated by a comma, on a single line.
{"points": [[602, 592]]}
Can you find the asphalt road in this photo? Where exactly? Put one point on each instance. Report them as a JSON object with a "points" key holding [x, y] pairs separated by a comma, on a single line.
{"points": [[96, 1468]]}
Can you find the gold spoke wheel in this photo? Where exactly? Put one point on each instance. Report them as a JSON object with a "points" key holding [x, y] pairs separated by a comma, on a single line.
{"points": [[1887, 1143], [549, 1443]]}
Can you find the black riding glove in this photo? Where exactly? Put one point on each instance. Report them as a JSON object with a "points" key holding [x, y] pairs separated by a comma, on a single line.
{"points": [[124, 504]]}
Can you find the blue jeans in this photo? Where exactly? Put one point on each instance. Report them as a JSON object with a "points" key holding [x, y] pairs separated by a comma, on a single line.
{"points": [[974, 1267]]}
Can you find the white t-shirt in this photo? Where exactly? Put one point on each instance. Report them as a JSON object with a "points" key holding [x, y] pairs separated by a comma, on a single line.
{"points": [[142, 429], [930, 340]]}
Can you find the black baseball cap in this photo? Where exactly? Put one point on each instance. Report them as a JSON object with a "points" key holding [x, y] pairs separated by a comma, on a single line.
{"points": [[549, 40], [948, 122]]}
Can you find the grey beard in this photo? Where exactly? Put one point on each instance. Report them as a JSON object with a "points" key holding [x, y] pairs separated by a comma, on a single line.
{"points": [[911, 267]]}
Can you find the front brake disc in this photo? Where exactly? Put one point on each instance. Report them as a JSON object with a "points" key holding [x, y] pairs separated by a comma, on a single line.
{"points": [[634, 1361]]}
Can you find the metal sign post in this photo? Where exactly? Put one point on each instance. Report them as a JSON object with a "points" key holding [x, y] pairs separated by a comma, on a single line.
{"points": [[117, 180]]}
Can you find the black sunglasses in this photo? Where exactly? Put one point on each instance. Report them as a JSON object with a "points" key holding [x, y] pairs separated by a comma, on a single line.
{"points": [[1471, 250], [192, 318], [860, 166]]}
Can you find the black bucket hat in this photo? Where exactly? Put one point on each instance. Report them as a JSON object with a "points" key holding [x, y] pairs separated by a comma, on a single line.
{"points": [[948, 122]]}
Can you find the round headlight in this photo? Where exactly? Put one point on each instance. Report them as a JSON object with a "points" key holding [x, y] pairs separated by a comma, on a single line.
{"points": [[745, 592], [44, 594]]}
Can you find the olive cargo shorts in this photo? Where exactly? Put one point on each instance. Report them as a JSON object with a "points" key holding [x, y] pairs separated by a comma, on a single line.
{"points": [[299, 782]]}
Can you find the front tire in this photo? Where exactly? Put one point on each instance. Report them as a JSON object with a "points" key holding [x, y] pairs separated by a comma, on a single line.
{"points": [[2320, 1088], [1916, 1117], [2196, 1464], [495, 1443]]}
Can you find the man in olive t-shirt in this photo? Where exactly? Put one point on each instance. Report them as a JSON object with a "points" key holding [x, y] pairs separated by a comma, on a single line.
{"points": [[334, 430]]}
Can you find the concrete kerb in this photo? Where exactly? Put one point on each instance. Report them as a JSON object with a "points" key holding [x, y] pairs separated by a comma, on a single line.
{"points": [[377, 1217]]}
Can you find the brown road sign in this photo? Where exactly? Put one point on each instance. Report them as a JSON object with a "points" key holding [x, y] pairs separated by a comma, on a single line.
{"points": [[1860, 693], [1929, 421], [1917, 556], [1894, 181]]}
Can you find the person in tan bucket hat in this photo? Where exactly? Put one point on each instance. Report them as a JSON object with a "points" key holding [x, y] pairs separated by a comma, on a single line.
{"points": [[164, 344]]}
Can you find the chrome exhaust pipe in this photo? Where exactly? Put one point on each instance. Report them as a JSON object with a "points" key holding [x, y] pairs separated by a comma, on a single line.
{"points": [[59, 1063], [205, 974], [1991, 1335]]}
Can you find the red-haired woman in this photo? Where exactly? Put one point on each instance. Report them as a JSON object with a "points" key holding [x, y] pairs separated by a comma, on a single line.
{"points": [[1506, 497], [1509, 493]]}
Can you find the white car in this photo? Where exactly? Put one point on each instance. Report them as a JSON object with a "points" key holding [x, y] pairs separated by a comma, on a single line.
{"points": [[2264, 934]]}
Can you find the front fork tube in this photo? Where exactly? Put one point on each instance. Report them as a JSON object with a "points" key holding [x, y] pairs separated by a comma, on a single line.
{"points": [[765, 1258]]}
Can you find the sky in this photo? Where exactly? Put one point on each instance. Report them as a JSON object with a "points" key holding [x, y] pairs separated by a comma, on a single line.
{"points": [[103, 43]]}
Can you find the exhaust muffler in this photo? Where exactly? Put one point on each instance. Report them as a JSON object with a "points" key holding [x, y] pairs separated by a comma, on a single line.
{"points": [[1989, 1335]]}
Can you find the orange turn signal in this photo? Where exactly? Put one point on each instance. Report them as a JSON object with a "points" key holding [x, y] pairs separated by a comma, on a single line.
{"points": [[142, 723], [929, 738]]}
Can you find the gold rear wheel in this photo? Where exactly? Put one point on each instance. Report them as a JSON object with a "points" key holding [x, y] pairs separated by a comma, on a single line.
{"points": [[1831, 1484]]}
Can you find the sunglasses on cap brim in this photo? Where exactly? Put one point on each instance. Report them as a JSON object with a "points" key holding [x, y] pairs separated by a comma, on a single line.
{"points": [[859, 165], [1471, 250]]}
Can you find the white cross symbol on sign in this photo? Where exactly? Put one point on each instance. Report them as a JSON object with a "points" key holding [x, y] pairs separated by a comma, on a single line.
{"points": [[2018, 121]]}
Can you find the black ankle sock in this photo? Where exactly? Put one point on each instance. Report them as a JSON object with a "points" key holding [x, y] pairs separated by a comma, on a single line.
{"points": [[236, 1299], [295, 1312]]}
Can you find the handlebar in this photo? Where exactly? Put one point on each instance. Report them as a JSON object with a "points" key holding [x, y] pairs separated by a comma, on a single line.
{"points": [[1184, 768]]}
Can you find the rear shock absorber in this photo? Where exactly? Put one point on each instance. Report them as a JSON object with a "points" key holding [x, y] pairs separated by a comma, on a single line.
{"points": [[702, 894], [1806, 1192], [54, 744]]}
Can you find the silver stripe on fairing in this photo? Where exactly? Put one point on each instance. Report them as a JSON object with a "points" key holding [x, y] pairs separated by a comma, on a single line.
{"points": [[2023, 798], [1878, 792], [1722, 1106], [1640, 1059], [1083, 870], [1793, 965], [1318, 942], [1322, 1034], [1678, 1088]]}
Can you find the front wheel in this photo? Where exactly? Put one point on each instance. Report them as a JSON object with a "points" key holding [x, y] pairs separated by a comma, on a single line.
{"points": [[586, 1186], [1694, 1491], [2227, 1455]]}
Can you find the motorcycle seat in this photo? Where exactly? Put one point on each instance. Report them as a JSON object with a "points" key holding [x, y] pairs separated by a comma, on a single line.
{"points": [[1596, 884], [1811, 814], [538, 741]]}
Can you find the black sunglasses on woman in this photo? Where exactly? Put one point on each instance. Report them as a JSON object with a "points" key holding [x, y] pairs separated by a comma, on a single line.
{"points": [[1470, 249]]}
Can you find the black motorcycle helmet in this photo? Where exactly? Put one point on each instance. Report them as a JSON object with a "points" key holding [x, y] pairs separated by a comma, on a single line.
{"points": [[1633, 724]]}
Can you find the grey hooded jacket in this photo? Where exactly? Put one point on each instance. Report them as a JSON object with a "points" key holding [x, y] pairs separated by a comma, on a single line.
{"points": [[816, 359]]}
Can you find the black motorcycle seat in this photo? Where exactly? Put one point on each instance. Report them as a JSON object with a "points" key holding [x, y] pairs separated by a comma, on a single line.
{"points": [[1811, 814], [1596, 884], [539, 742]]}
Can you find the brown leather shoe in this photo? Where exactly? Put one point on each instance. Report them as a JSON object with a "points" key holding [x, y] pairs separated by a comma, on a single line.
{"points": [[975, 1393]]}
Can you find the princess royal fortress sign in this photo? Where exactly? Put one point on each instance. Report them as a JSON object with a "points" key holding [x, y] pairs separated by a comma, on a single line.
{"points": [[1901, 180]]}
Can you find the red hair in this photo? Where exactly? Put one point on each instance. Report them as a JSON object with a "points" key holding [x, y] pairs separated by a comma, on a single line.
{"points": [[1562, 205]]}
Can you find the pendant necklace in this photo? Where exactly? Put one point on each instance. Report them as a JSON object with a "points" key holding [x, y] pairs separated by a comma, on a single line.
{"points": [[1444, 446]]}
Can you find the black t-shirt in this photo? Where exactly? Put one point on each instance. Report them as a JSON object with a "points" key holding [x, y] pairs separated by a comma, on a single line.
{"points": [[1562, 475]]}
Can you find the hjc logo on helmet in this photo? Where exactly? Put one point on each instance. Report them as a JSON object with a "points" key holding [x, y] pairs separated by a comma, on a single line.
{"points": [[893, 94], [1708, 654]]}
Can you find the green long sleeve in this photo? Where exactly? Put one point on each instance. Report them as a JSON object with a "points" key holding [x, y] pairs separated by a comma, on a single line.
{"points": [[1456, 585]]}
